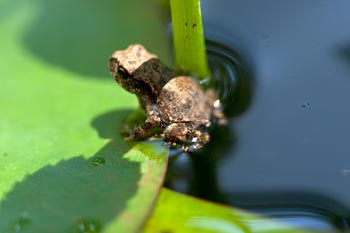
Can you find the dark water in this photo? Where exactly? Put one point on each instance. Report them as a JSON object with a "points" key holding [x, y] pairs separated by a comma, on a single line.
{"points": [[286, 152]]}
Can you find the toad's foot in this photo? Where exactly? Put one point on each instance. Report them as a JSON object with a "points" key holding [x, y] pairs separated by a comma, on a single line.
{"points": [[147, 129]]}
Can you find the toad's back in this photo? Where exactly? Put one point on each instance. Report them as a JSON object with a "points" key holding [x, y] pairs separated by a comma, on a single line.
{"points": [[183, 100]]}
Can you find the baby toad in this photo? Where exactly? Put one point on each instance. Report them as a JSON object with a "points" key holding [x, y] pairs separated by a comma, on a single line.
{"points": [[174, 105]]}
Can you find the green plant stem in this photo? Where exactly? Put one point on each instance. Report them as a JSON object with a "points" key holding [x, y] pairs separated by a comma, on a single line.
{"points": [[189, 44]]}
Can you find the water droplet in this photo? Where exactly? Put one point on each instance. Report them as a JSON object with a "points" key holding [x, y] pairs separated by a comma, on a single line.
{"points": [[20, 224], [306, 104], [99, 161], [88, 225]]}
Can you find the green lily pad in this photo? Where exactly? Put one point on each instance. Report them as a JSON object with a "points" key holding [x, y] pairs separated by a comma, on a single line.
{"points": [[176, 212], [64, 167]]}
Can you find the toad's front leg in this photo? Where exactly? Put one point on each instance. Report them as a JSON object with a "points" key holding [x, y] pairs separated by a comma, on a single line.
{"points": [[148, 128]]}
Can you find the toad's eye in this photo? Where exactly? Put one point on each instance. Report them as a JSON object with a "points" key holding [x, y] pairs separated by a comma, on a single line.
{"points": [[122, 72]]}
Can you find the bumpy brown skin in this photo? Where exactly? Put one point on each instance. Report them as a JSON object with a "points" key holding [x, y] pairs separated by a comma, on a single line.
{"points": [[176, 105]]}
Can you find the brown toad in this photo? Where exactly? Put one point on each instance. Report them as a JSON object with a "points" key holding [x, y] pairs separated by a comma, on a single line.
{"points": [[175, 105]]}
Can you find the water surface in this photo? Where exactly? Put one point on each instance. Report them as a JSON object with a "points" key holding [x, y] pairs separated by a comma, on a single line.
{"points": [[287, 149]]}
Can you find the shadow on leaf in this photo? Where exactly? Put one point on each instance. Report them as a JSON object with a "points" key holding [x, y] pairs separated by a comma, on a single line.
{"points": [[77, 194], [81, 35]]}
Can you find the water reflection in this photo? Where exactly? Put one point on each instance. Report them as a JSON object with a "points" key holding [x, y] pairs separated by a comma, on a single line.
{"points": [[296, 209], [232, 78]]}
